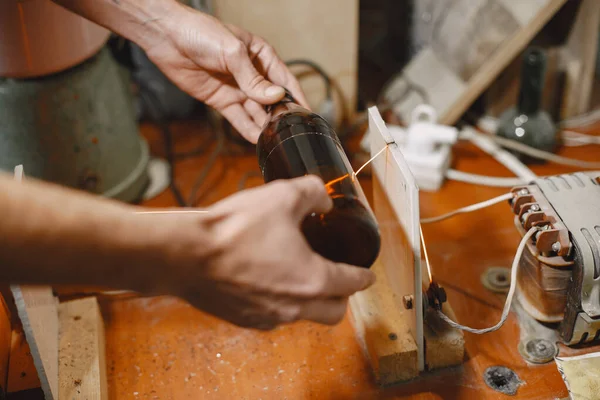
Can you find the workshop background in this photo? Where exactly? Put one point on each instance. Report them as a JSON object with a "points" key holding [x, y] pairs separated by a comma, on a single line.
{"points": [[86, 109]]}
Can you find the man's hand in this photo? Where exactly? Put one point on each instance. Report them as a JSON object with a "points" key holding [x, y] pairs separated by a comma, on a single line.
{"points": [[230, 69], [226, 67], [259, 271]]}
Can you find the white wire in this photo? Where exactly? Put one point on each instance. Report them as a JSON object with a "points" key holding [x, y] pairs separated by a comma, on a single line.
{"points": [[483, 179], [575, 139], [509, 297], [502, 156], [582, 120], [471, 208], [544, 155]]}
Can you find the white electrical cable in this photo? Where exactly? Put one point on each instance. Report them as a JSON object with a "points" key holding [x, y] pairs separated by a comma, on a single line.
{"points": [[484, 180], [544, 155], [581, 120], [536, 153], [471, 208], [502, 156], [575, 139], [509, 297]]}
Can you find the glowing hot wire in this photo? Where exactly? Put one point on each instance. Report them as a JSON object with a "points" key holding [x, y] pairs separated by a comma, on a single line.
{"points": [[354, 174], [426, 255]]}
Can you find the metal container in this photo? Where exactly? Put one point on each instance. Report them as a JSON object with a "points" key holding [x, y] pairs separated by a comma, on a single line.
{"points": [[76, 128]]}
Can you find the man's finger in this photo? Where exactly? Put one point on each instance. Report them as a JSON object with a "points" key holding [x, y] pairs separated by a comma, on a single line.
{"points": [[325, 311], [344, 280], [275, 69], [241, 121], [250, 81], [256, 111], [309, 196]]}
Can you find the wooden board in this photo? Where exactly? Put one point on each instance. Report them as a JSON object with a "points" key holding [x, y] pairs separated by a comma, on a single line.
{"points": [[82, 361], [37, 309], [472, 42], [325, 32], [396, 205], [394, 337], [384, 332], [580, 59], [444, 345]]}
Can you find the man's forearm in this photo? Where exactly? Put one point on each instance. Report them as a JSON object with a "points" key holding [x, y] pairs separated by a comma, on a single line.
{"points": [[141, 21], [50, 235]]}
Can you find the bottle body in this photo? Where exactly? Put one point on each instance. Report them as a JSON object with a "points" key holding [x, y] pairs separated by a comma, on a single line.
{"points": [[527, 122], [295, 143]]}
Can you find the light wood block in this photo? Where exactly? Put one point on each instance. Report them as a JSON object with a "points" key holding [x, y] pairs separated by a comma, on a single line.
{"points": [[444, 345], [384, 332], [82, 361]]}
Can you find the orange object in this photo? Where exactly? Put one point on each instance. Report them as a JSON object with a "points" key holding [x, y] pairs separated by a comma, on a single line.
{"points": [[41, 38], [5, 337]]}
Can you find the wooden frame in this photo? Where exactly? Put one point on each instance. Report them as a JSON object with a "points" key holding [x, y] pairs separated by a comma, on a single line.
{"points": [[392, 334]]}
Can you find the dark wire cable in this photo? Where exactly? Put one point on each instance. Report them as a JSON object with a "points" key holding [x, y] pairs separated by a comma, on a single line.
{"points": [[315, 67], [212, 159]]}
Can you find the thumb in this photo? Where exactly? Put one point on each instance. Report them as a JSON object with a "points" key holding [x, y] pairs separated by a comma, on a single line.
{"points": [[250, 81]]}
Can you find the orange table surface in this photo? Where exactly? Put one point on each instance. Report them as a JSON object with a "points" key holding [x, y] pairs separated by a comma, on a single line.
{"points": [[162, 348]]}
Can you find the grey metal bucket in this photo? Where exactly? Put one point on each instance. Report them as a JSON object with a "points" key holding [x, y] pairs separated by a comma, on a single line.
{"points": [[76, 128]]}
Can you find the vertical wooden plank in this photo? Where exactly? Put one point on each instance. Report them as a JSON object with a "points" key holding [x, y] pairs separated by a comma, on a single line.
{"points": [[580, 59], [82, 357], [397, 210], [471, 43], [37, 309]]}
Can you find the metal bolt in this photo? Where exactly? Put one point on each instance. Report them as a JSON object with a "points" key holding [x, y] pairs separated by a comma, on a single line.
{"points": [[556, 246], [496, 279], [408, 301], [523, 192], [535, 207], [537, 351]]}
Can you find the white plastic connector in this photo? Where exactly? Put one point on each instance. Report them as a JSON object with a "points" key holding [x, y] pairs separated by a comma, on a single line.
{"points": [[427, 147]]}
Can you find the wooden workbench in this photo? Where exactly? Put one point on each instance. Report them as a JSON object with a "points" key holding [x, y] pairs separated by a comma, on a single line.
{"points": [[161, 348]]}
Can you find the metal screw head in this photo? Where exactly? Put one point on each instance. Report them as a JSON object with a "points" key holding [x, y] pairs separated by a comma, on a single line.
{"points": [[556, 246], [496, 279], [534, 207], [537, 351], [408, 302], [523, 192]]}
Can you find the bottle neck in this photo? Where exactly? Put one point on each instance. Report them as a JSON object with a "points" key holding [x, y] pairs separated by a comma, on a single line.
{"points": [[532, 82], [286, 104]]}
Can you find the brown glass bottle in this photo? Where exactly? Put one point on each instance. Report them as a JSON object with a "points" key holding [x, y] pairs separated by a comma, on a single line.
{"points": [[296, 142]]}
